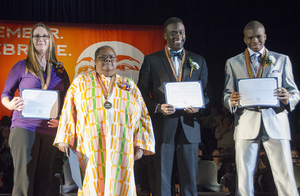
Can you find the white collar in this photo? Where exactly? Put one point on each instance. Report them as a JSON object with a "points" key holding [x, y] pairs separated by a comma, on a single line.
{"points": [[251, 52], [176, 51]]}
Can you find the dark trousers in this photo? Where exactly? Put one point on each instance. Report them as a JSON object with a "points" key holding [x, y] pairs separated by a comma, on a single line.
{"points": [[33, 156], [186, 155]]}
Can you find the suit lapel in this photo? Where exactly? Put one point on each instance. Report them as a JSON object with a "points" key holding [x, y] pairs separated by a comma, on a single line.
{"points": [[167, 65], [243, 64], [267, 68], [186, 68]]}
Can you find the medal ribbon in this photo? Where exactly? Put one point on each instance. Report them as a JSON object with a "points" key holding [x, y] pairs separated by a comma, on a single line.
{"points": [[106, 91], [44, 85], [169, 55], [249, 67]]}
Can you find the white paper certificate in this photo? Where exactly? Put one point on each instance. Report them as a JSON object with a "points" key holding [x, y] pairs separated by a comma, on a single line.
{"points": [[258, 92], [40, 104], [184, 94]]}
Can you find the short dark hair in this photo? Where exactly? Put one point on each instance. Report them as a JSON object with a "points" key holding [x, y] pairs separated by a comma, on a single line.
{"points": [[171, 21], [253, 25], [101, 47]]}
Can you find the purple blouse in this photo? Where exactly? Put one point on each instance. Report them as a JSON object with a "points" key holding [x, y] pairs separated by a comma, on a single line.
{"points": [[17, 79]]}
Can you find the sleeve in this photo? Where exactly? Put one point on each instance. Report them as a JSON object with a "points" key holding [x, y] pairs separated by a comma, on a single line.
{"points": [[230, 87], [66, 132], [289, 84], [144, 136], [13, 80], [203, 78]]}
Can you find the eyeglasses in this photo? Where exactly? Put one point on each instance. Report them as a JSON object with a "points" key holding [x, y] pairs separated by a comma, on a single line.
{"points": [[44, 37], [104, 57]]}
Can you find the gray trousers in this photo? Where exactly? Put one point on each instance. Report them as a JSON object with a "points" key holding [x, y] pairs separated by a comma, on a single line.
{"points": [[279, 155], [33, 155]]}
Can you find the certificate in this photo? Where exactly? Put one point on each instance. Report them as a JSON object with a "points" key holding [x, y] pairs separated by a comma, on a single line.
{"points": [[40, 104], [258, 92], [184, 94]]}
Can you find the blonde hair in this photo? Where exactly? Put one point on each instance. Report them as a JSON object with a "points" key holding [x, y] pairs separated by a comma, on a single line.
{"points": [[32, 63]]}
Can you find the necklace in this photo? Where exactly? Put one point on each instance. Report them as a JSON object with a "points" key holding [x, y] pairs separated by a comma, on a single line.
{"points": [[106, 92], [45, 84], [248, 64], [168, 54]]}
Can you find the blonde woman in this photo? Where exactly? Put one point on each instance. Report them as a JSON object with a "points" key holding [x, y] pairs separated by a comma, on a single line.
{"points": [[31, 139]]}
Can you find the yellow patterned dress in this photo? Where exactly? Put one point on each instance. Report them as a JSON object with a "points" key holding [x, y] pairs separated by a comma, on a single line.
{"points": [[104, 139]]}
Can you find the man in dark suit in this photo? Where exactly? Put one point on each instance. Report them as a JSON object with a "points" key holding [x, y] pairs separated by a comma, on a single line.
{"points": [[177, 132]]}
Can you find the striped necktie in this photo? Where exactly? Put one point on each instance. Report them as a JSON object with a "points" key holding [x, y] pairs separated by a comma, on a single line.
{"points": [[255, 61]]}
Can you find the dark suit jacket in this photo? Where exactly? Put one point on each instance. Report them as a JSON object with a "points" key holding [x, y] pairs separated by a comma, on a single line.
{"points": [[154, 72]]}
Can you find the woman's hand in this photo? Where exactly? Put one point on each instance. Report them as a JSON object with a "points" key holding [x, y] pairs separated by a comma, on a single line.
{"points": [[138, 153], [53, 123], [64, 148], [15, 104]]}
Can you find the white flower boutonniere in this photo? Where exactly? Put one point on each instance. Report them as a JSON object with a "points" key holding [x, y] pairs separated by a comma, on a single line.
{"points": [[193, 64], [269, 60], [272, 60], [130, 83], [126, 83]]}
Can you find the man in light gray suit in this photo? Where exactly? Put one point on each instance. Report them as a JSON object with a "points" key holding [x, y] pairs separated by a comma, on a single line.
{"points": [[266, 125]]}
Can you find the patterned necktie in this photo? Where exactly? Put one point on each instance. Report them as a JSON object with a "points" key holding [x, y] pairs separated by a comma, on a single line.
{"points": [[255, 61]]}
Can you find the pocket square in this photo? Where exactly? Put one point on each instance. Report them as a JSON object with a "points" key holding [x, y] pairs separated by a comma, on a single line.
{"points": [[275, 71]]}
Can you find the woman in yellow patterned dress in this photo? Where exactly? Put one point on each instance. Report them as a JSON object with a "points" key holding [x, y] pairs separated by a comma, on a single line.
{"points": [[105, 119]]}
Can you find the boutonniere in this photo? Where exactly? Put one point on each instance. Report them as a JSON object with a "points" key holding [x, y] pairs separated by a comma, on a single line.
{"points": [[269, 60], [126, 83], [59, 68], [193, 64]]}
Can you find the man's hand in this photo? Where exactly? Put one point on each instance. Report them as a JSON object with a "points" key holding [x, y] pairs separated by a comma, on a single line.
{"points": [[234, 98], [282, 94], [64, 148], [138, 153], [191, 110], [166, 109]]}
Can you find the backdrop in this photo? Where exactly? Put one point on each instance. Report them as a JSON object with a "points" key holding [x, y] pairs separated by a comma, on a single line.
{"points": [[77, 43]]}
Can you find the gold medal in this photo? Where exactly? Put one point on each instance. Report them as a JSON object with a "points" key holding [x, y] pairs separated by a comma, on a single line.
{"points": [[107, 105], [107, 92]]}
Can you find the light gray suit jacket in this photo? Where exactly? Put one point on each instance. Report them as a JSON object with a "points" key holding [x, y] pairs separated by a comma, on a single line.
{"points": [[248, 122]]}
